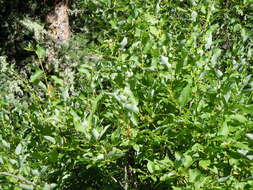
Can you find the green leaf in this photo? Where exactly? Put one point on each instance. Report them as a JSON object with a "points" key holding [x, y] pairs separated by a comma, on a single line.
{"points": [[36, 76], [244, 34], [123, 43], [49, 186], [214, 59], [193, 175], [218, 73], [40, 51], [103, 131], [58, 80], [167, 176], [6, 144], [165, 61], [223, 179], [246, 108], [194, 15], [132, 107], [95, 134], [208, 39], [187, 161], [18, 149], [26, 186], [185, 95], [239, 118], [242, 152], [224, 130], [151, 166], [81, 128], [204, 163], [227, 96], [50, 139], [250, 136]]}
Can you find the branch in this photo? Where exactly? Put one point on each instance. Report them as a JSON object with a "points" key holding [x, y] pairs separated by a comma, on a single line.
{"points": [[17, 177], [118, 182]]}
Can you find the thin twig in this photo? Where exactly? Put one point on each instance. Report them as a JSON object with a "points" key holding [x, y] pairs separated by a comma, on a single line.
{"points": [[118, 182], [126, 179], [18, 177]]}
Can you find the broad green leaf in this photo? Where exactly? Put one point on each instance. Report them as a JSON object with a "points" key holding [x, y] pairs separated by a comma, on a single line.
{"points": [[26, 186], [58, 80], [50, 139], [187, 161], [250, 136], [204, 163], [81, 128], [123, 43], [36, 76], [193, 174], [250, 157], [246, 108], [100, 157], [185, 95], [244, 34], [218, 73], [5, 144], [167, 176], [224, 129], [151, 166], [208, 39], [194, 15], [103, 131], [241, 145], [227, 96], [243, 152], [154, 30], [214, 60], [18, 149], [239, 118], [223, 179], [95, 133], [49, 186], [165, 61], [132, 107], [40, 51]]}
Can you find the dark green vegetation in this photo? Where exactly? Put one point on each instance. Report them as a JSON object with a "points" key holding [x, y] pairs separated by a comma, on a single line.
{"points": [[147, 95]]}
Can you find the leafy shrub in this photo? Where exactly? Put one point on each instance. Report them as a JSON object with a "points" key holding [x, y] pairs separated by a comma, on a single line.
{"points": [[157, 95]]}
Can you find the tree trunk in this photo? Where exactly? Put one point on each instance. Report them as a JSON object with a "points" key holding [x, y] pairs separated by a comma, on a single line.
{"points": [[58, 22]]}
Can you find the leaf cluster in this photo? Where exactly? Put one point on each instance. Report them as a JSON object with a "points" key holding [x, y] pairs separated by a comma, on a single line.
{"points": [[148, 95]]}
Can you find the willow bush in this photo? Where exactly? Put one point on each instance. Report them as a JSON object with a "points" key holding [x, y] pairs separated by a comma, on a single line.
{"points": [[147, 95]]}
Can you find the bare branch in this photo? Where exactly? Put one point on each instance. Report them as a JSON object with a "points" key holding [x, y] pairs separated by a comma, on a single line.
{"points": [[18, 177]]}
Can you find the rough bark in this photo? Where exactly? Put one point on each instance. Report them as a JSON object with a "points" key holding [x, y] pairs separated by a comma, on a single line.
{"points": [[58, 22], [58, 30]]}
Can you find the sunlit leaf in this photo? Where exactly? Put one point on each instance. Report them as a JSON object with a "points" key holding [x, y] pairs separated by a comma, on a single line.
{"points": [[224, 129], [167, 176], [223, 179], [205, 163], [50, 139], [123, 43], [26, 186], [18, 149], [239, 118], [95, 134], [151, 166], [250, 136]]}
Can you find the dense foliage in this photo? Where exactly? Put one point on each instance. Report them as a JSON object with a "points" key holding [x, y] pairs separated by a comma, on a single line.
{"points": [[147, 95]]}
